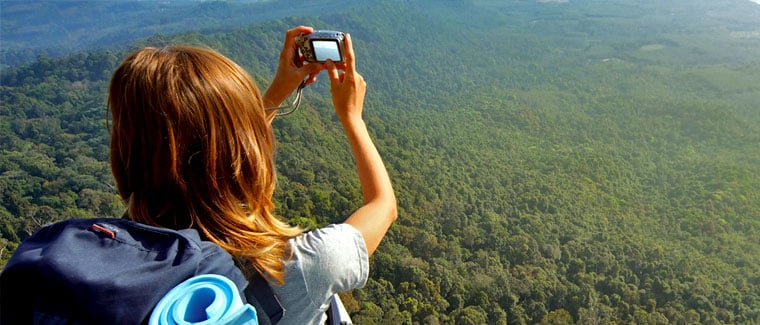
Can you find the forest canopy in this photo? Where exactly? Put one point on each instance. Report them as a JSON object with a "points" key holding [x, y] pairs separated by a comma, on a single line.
{"points": [[582, 162]]}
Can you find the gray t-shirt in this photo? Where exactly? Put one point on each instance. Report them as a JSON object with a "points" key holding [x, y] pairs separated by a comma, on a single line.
{"points": [[325, 261]]}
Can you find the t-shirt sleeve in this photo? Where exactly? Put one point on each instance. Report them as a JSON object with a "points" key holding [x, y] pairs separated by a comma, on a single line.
{"points": [[333, 259]]}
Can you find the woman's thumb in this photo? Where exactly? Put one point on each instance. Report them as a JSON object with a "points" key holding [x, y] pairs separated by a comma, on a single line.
{"points": [[332, 71]]}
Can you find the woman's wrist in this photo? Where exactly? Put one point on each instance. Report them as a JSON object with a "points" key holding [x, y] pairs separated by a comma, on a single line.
{"points": [[351, 120], [270, 100]]}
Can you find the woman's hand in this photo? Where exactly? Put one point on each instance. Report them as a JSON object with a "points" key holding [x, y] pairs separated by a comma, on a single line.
{"points": [[347, 88], [289, 75]]}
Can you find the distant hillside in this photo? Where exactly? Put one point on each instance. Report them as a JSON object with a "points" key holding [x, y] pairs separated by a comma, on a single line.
{"points": [[581, 162], [55, 28]]}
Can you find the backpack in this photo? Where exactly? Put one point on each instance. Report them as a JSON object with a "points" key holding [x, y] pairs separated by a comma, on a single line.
{"points": [[113, 271]]}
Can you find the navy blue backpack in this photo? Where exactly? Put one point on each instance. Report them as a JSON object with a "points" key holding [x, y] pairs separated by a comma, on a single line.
{"points": [[112, 271]]}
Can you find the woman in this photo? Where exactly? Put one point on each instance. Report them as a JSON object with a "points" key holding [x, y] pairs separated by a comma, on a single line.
{"points": [[192, 147]]}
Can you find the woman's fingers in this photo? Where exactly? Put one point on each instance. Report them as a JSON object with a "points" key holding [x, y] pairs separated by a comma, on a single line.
{"points": [[349, 58], [289, 46], [332, 71]]}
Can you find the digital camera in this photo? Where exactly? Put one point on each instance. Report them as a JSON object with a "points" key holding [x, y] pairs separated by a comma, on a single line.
{"points": [[322, 45]]}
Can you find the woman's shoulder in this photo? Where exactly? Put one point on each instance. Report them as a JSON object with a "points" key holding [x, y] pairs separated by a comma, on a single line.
{"points": [[332, 235], [331, 242], [335, 253]]}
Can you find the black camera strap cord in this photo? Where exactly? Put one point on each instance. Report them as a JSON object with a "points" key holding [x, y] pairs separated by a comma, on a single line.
{"points": [[289, 109]]}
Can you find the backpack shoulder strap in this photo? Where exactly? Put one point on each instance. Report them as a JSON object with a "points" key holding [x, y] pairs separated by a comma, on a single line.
{"points": [[260, 295]]}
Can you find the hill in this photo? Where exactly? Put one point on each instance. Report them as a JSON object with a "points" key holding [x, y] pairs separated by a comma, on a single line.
{"points": [[555, 162], [55, 28]]}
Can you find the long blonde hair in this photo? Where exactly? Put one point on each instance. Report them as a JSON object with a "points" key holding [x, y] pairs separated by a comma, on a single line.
{"points": [[191, 148]]}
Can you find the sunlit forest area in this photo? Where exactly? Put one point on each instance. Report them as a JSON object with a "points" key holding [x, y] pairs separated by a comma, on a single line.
{"points": [[555, 162]]}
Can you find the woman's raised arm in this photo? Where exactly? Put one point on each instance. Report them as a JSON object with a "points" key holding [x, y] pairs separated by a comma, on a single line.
{"points": [[379, 210]]}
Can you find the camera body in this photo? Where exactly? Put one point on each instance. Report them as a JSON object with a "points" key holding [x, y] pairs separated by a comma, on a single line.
{"points": [[322, 45]]}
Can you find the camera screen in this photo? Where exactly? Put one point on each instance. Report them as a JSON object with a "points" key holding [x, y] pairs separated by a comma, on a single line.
{"points": [[324, 50]]}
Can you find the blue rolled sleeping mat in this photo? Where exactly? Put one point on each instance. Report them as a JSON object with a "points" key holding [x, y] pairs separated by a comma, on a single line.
{"points": [[204, 299]]}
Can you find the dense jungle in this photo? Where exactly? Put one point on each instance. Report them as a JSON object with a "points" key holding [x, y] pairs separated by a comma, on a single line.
{"points": [[555, 162]]}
